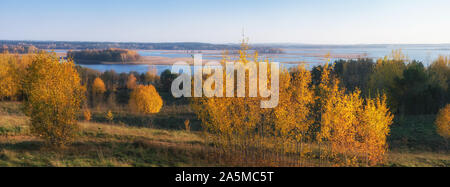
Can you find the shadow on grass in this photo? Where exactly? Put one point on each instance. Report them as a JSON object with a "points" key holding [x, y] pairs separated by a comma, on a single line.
{"points": [[416, 133], [23, 146], [139, 152], [158, 121]]}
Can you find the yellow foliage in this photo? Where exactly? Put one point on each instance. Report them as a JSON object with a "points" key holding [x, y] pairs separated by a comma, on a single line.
{"points": [[98, 87], [230, 117], [145, 99], [293, 115], [356, 128], [328, 86], [375, 120], [8, 84], [241, 119], [87, 115], [109, 116], [187, 125], [53, 98], [398, 55], [443, 122], [98, 90], [12, 69]]}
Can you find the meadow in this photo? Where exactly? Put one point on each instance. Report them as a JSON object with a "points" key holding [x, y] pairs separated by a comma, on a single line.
{"points": [[166, 143]]}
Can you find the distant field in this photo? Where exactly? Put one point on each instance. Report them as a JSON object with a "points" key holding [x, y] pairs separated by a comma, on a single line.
{"points": [[163, 142]]}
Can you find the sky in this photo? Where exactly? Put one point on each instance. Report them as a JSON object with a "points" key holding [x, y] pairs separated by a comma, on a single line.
{"points": [[224, 21]]}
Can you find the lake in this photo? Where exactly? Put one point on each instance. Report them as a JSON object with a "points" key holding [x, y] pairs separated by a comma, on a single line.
{"points": [[310, 55], [145, 68]]}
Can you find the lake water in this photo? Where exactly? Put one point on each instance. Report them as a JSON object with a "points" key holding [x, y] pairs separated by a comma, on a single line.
{"points": [[310, 55], [145, 68]]}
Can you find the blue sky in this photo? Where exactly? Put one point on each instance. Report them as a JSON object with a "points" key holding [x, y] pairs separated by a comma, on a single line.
{"points": [[214, 21]]}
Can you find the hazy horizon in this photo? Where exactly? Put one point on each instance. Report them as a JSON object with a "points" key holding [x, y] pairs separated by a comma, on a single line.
{"points": [[237, 43]]}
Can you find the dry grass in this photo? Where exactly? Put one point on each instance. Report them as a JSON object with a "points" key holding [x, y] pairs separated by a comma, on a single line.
{"points": [[150, 134], [420, 159]]}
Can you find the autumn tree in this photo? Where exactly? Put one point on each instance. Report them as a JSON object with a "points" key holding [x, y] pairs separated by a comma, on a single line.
{"points": [[109, 116], [240, 124], [98, 91], [326, 85], [354, 126], [87, 115], [375, 121], [231, 118], [98, 87], [443, 122], [9, 85], [292, 118], [354, 129], [12, 69], [145, 99], [53, 98]]}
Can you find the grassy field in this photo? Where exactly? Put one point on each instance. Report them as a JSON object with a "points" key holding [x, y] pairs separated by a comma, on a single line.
{"points": [[161, 141]]}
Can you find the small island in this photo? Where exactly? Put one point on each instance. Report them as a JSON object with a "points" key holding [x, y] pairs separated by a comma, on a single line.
{"points": [[104, 55]]}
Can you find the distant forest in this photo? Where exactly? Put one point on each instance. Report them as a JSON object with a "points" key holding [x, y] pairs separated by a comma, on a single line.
{"points": [[133, 46], [20, 49]]}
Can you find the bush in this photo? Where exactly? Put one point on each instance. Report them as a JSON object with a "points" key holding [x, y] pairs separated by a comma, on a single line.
{"points": [[109, 116], [145, 99]]}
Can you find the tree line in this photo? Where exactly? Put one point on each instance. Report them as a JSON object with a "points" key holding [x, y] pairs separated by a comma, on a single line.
{"points": [[411, 87], [18, 49]]}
